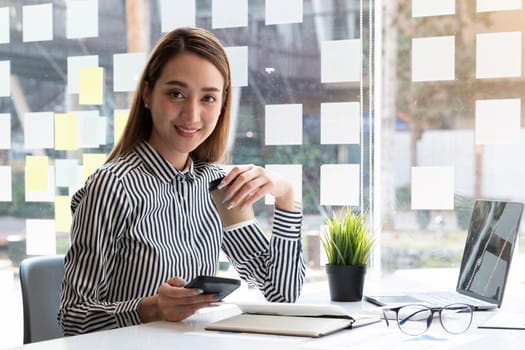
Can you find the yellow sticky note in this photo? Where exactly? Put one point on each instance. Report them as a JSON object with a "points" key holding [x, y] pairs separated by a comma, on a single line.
{"points": [[37, 175], [121, 118], [63, 217], [91, 162], [66, 132], [91, 83]]}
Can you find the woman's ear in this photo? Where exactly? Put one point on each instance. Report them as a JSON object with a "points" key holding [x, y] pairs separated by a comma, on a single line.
{"points": [[146, 94]]}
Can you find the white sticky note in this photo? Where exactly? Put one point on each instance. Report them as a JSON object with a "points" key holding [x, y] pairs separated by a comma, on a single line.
{"points": [[39, 130], [6, 186], [498, 55], [238, 58], [283, 124], [4, 25], [127, 68], [5, 131], [66, 172], [90, 129], [229, 13], [176, 13], [340, 123], [292, 173], [74, 65], [340, 184], [341, 61], [5, 78], [37, 22], [102, 136], [81, 19], [40, 237], [424, 8], [432, 187], [498, 121], [497, 5], [48, 194], [433, 58], [280, 12]]}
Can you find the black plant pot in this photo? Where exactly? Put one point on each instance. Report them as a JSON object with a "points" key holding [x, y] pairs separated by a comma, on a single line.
{"points": [[346, 282]]}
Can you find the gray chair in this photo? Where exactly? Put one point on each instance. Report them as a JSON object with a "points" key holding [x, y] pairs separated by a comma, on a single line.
{"points": [[40, 279]]}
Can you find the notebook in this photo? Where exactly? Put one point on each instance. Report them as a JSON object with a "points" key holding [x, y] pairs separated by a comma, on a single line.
{"points": [[485, 264], [306, 320]]}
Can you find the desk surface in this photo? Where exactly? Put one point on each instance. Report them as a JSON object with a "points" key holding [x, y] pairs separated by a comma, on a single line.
{"points": [[190, 334]]}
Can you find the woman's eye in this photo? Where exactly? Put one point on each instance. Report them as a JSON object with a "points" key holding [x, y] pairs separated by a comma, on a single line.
{"points": [[209, 98], [175, 94]]}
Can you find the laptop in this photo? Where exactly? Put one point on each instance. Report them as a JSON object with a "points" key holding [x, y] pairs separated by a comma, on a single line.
{"points": [[485, 265]]}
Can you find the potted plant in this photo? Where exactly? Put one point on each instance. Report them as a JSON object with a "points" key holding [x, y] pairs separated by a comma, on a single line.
{"points": [[347, 244]]}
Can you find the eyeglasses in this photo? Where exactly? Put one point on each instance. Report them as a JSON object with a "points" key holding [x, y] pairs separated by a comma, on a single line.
{"points": [[415, 319]]}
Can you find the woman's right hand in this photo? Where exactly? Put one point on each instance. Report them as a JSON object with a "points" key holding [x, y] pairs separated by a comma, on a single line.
{"points": [[173, 302]]}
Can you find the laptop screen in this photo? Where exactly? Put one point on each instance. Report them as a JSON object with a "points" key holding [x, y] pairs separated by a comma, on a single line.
{"points": [[488, 250]]}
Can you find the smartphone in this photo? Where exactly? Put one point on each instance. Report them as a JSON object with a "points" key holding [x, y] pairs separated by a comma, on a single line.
{"points": [[217, 285]]}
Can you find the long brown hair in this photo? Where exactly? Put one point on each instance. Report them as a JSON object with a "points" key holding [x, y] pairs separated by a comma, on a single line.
{"points": [[139, 125]]}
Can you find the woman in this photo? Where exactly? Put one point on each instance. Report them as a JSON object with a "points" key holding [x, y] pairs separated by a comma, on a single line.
{"points": [[144, 223]]}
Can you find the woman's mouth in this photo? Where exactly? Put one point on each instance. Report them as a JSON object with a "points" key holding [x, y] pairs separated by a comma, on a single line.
{"points": [[185, 131]]}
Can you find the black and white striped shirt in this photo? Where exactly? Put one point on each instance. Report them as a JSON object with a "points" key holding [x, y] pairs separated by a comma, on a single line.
{"points": [[138, 222]]}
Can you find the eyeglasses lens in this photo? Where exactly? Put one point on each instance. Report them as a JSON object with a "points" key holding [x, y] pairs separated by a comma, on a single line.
{"points": [[456, 318], [414, 319]]}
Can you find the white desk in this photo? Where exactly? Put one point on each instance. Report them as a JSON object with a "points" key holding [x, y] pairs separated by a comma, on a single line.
{"points": [[190, 334]]}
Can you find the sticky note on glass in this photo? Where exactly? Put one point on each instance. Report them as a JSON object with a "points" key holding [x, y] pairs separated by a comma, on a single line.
{"points": [[5, 131], [74, 64], [341, 61], [340, 123], [37, 22], [5, 78], [36, 173], [283, 124], [292, 173], [498, 55], [432, 187], [81, 19], [63, 217], [176, 13], [88, 128], [91, 80], [66, 172], [229, 13], [39, 130], [127, 68], [4, 25], [6, 192], [238, 57], [425, 8], [91, 162], [498, 121], [40, 237], [281, 12], [433, 58], [340, 184], [120, 120], [497, 5], [66, 127]]}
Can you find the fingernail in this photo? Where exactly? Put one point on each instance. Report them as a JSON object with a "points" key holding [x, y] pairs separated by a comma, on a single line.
{"points": [[224, 199], [198, 291], [221, 185], [230, 206]]}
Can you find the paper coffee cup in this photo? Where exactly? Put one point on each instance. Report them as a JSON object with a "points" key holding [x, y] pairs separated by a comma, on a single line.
{"points": [[234, 217]]}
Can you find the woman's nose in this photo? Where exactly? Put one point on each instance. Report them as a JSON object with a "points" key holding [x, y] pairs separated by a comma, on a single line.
{"points": [[191, 109]]}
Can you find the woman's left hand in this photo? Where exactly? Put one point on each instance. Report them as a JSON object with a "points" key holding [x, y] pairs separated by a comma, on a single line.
{"points": [[249, 183]]}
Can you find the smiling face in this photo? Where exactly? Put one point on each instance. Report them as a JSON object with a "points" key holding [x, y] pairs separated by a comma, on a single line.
{"points": [[185, 105]]}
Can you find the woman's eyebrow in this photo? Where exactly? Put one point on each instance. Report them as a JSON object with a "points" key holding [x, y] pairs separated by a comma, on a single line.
{"points": [[184, 85]]}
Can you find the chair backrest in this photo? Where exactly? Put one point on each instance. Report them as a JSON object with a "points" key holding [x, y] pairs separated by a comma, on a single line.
{"points": [[40, 279]]}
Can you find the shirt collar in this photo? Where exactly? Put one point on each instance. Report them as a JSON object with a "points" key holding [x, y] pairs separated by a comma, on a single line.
{"points": [[160, 167]]}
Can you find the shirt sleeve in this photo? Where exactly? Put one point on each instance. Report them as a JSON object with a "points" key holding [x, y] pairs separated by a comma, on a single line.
{"points": [[100, 212], [276, 265]]}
